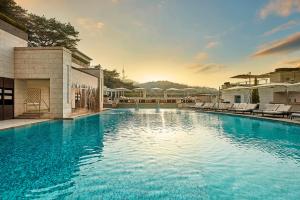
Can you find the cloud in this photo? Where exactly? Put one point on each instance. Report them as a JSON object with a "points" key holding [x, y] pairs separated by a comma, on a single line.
{"points": [[90, 24], [201, 56], [115, 1], [212, 44], [161, 4], [295, 62], [207, 68], [286, 45], [282, 27], [199, 66], [280, 7]]}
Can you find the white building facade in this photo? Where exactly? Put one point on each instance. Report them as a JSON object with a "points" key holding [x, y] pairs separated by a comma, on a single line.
{"points": [[52, 81]]}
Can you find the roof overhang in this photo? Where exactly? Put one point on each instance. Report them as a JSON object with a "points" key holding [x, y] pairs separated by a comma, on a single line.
{"points": [[81, 56]]}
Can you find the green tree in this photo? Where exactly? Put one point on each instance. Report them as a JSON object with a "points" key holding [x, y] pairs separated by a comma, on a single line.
{"points": [[112, 80], [41, 30], [50, 32], [12, 10], [255, 94]]}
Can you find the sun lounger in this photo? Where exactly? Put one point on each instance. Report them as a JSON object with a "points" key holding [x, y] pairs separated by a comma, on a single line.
{"points": [[197, 105], [281, 110], [266, 108], [295, 115], [223, 106], [248, 108], [234, 107], [238, 106], [208, 106]]}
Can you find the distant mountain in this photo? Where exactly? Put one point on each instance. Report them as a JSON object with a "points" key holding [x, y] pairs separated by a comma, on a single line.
{"points": [[168, 84]]}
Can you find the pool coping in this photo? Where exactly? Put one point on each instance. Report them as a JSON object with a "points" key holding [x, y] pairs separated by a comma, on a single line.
{"points": [[257, 117], [29, 122], [281, 120]]}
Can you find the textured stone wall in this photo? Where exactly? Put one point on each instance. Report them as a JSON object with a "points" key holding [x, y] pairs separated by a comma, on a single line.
{"points": [[7, 44], [46, 63]]}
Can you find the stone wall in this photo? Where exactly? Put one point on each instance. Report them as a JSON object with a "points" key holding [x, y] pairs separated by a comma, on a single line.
{"points": [[47, 63], [7, 43], [101, 90]]}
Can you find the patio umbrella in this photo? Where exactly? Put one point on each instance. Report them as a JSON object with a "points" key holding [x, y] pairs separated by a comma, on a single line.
{"points": [[186, 90], [122, 90], [171, 89], [156, 89], [141, 90]]}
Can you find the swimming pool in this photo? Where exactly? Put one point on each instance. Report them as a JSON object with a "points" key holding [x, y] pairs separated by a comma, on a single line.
{"points": [[151, 154]]}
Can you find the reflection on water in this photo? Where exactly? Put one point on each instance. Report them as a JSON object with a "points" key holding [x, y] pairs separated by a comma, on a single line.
{"points": [[151, 154]]}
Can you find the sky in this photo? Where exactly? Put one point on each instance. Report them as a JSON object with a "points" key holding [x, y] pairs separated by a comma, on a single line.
{"points": [[196, 42]]}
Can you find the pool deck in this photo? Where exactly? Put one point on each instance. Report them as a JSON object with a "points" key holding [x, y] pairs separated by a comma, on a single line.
{"points": [[13, 123], [269, 118]]}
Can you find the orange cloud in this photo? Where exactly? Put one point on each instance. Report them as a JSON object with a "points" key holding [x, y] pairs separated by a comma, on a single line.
{"points": [[282, 27], [280, 7], [212, 44], [207, 68], [201, 56], [90, 24], [286, 45], [295, 62]]}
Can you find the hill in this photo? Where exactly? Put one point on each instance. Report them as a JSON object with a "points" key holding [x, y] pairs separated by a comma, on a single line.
{"points": [[168, 84]]}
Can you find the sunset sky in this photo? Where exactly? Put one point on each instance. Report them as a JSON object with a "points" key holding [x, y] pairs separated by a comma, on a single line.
{"points": [[197, 42]]}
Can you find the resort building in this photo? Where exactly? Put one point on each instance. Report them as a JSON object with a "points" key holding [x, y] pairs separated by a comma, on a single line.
{"points": [[237, 94], [281, 86], [51, 82], [285, 75]]}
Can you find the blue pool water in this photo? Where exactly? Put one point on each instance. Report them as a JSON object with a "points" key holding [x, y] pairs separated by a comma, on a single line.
{"points": [[151, 154]]}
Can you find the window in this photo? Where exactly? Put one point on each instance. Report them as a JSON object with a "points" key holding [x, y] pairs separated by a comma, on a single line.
{"points": [[237, 99]]}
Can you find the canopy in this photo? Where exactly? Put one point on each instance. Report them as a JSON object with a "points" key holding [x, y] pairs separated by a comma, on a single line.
{"points": [[138, 89], [172, 89], [247, 76], [156, 89], [122, 89], [185, 89], [273, 85], [237, 88]]}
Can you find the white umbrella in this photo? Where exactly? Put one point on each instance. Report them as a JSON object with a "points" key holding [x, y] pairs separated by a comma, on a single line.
{"points": [[156, 89], [141, 90], [172, 89], [122, 91], [186, 90]]}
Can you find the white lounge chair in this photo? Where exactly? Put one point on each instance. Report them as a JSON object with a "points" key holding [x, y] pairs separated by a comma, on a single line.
{"points": [[197, 105], [295, 115], [224, 106], [248, 108], [208, 106], [238, 106], [281, 110], [266, 108]]}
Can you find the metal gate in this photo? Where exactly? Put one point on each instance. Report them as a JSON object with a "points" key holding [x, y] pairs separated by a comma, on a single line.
{"points": [[6, 98]]}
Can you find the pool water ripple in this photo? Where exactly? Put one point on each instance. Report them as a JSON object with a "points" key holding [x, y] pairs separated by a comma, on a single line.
{"points": [[151, 154]]}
